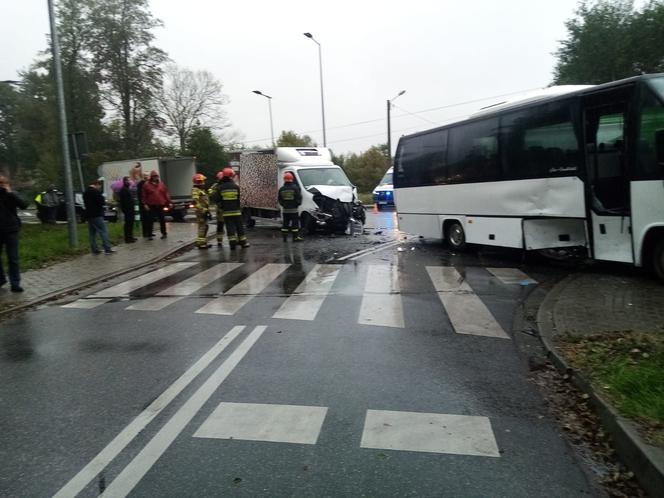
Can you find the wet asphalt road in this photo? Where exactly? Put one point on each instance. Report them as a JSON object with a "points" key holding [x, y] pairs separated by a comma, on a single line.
{"points": [[376, 384]]}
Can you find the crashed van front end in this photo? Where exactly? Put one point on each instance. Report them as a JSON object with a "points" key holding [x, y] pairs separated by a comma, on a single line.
{"points": [[338, 208]]}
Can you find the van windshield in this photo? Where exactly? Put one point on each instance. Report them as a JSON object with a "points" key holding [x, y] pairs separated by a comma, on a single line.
{"points": [[387, 179], [323, 176]]}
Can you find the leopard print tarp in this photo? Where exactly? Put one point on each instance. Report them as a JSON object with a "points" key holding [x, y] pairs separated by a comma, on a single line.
{"points": [[258, 180]]}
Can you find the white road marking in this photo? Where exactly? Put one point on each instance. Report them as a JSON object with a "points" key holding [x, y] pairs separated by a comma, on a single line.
{"points": [[260, 422], [236, 297], [511, 276], [381, 302], [371, 250], [120, 442], [429, 432], [307, 299], [185, 288], [125, 288], [86, 304], [464, 308], [141, 464]]}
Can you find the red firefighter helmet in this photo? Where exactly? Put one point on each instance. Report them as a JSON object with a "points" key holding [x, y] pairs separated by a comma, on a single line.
{"points": [[288, 177], [198, 178], [219, 175], [228, 173]]}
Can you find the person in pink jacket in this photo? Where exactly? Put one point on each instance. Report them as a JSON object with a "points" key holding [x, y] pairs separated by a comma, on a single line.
{"points": [[155, 197]]}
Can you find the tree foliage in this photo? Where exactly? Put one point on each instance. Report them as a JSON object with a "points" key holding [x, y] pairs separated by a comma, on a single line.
{"points": [[291, 139], [210, 154], [191, 99], [366, 169], [114, 90], [609, 40], [128, 66]]}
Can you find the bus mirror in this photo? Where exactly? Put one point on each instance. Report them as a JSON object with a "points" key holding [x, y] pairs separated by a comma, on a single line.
{"points": [[659, 146]]}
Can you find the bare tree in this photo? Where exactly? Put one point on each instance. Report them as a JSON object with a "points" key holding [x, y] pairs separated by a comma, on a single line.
{"points": [[190, 99]]}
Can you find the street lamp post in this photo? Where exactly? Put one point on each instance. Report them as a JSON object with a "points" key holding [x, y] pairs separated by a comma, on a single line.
{"points": [[389, 129], [269, 103], [69, 186], [322, 100]]}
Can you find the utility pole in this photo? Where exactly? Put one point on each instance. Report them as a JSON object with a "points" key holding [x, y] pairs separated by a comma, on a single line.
{"points": [[320, 69], [69, 187], [389, 125]]}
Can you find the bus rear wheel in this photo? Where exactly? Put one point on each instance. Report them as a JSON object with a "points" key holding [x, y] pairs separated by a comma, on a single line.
{"points": [[455, 236], [658, 259]]}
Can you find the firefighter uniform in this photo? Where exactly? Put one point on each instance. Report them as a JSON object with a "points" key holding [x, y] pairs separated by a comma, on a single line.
{"points": [[215, 198], [202, 208], [232, 214], [290, 198]]}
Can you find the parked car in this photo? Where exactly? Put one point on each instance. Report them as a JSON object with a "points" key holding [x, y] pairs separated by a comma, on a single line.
{"points": [[110, 212]]}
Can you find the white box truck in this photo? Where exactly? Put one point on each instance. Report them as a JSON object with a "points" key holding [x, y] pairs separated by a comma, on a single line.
{"points": [[175, 172], [329, 200]]}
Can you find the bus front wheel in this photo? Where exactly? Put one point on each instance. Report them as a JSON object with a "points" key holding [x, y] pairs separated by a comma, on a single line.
{"points": [[455, 236], [658, 259]]}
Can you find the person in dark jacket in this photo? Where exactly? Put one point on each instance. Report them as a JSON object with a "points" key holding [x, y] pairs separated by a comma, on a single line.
{"points": [[94, 212], [290, 199], [230, 205], [10, 224], [126, 201]]}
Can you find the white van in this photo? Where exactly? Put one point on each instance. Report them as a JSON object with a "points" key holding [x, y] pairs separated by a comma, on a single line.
{"points": [[383, 194], [329, 200]]}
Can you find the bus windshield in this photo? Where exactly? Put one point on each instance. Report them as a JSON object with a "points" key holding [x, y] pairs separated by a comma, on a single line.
{"points": [[323, 176]]}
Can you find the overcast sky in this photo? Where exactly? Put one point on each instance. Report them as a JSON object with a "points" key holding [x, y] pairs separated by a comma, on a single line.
{"points": [[442, 52]]}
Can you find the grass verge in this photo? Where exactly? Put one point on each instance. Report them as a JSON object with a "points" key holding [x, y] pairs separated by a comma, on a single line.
{"points": [[43, 245], [628, 369]]}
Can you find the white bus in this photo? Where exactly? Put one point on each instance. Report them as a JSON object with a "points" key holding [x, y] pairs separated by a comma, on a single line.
{"points": [[578, 169]]}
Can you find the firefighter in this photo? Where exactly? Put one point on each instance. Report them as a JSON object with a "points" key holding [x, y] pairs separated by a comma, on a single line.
{"points": [[232, 214], [215, 198], [202, 207], [290, 198]]}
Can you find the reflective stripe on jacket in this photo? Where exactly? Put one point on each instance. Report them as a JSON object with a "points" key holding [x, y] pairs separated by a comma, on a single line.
{"points": [[230, 198]]}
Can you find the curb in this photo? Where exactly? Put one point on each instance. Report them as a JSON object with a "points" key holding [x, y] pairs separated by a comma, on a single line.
{"points": [[54, 295], [644, 460]]}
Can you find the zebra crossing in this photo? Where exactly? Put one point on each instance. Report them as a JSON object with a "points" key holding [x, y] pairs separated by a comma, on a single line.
{"points": [[381, 294]]}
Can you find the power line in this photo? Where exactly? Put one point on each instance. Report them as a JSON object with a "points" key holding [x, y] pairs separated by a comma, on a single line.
{"points": [[414, 114], [441, 123]]}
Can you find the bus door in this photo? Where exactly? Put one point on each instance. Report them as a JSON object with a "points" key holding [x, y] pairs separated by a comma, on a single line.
{"points": [[607, 167]]}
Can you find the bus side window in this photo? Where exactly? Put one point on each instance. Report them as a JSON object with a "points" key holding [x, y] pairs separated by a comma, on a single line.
{"points": [[540, 142], [651, 123], [473, 152]]}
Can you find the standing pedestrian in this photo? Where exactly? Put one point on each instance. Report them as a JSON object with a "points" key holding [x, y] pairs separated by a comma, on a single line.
{"points": [[215, 198], [155, 198], [290, 199], [144, 214], [10, 224], [230, 204], [202, 207], [94, 202], [126, 201]]}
